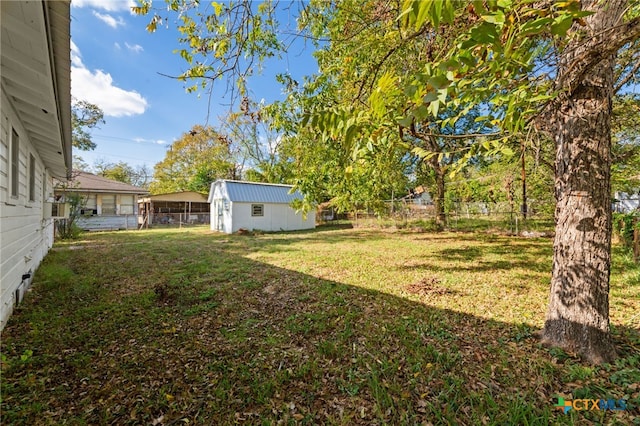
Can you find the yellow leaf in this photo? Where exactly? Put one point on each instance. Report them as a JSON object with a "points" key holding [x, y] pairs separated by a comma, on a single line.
{"points": [[169, 397]]}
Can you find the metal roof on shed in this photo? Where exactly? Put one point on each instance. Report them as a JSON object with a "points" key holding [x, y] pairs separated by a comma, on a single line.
{"points": [[254, 192]]}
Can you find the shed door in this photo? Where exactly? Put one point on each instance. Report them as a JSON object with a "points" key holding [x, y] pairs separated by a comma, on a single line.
{"points": [[219, 215]]}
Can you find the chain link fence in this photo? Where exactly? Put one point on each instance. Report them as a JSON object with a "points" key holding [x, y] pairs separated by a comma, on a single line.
{"points": [[473, 216], [173, 219]]}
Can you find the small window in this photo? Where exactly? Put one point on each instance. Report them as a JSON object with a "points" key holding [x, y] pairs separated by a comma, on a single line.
{"points": [[257, 209], [15, 161], [126, 204], [32, 177], [108, 204], [90, 202]]}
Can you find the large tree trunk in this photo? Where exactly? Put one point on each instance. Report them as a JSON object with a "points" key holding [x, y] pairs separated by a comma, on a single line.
{"points": [[578, 314], [438, 199]]}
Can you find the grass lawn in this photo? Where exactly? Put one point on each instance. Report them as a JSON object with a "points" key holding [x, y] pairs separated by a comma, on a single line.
{"points": [[334, 326]]}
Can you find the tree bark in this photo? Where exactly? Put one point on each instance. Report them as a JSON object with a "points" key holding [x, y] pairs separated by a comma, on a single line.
{"points": [[578, 314], [438, 200]]}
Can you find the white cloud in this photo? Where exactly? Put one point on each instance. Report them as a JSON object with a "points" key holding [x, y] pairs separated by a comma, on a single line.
{"points": [[136, 48], [154, 141], [117, 45], [109, 20], [97, 87], [108, 5], [76, 59]]}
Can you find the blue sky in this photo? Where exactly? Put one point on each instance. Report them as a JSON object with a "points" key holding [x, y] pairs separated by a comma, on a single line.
{"points": [[116, 65]]}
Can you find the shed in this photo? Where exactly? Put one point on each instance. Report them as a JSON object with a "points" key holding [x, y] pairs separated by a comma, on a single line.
{"points": [[175, 207], [106, 204], [35, 137], [252, 205]]}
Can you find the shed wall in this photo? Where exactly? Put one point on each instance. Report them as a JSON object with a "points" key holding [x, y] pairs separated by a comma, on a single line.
{"points": [[276, 217]]}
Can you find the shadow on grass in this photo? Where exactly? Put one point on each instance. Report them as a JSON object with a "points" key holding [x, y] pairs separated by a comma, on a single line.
{"points": [[176, 327]]}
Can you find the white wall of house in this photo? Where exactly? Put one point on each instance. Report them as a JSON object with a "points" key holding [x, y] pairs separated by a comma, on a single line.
{"points": [[113, 212], [25, 234]]}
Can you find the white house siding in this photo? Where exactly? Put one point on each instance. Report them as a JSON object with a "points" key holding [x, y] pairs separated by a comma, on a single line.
{"points": [[25, 236], [108, 222]]}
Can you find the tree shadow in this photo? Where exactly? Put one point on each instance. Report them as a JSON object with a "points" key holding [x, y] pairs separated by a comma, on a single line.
{"points": [[234, 340]]}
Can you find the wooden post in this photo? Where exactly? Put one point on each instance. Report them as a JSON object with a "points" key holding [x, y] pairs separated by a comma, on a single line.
{"points": [[524, 185], [636, 241]]}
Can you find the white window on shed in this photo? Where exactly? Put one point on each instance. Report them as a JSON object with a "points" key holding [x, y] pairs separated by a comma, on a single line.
{"points": [[257, 209]]}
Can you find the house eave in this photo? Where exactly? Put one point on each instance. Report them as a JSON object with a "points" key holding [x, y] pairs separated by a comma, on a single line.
{"points": [[36, 67]]}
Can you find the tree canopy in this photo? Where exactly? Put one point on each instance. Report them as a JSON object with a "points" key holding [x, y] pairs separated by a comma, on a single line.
{"points": [[85, 116], [122, 172], [198, 158], [449, 80]]}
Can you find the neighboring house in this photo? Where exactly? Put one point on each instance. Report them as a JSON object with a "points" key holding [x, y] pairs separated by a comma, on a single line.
{"points": [[626, 203], [174, 208], [35, 134], [239, 205], [106, 204], [419, 196]]}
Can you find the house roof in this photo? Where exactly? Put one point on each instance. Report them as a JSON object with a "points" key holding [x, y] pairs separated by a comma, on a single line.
{"points": [[36, 75], [255, 192], [186, 196], [87, 182]]}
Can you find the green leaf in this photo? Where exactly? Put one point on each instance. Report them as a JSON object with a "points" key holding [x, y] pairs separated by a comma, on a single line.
{"points": [[478, 6], [561, 25], [436, 13], [406, 121], [422, 14], [410, 90], [448, 12], [485, 33], [495, 18], [442, 95], [351, 134], [430, 97], [535, 27], [434, 108], [421, 113], [439, 81]]}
